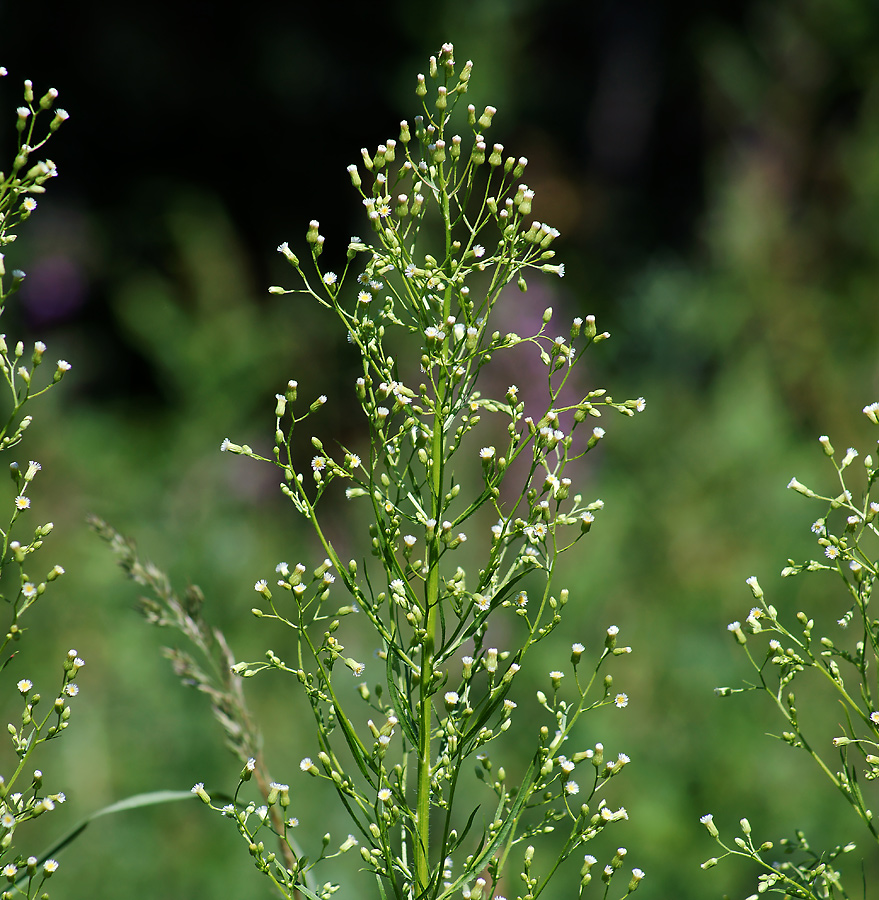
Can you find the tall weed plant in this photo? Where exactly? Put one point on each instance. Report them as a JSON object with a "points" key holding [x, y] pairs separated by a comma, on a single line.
{"points": [[411, 739], [26, 793], [787, 651]]}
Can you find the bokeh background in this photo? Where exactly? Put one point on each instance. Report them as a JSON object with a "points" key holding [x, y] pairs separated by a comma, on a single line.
{"points": [[713, 170]]}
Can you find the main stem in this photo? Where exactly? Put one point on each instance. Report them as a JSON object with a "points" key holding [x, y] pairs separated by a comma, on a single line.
{"points": [[421, 849]]}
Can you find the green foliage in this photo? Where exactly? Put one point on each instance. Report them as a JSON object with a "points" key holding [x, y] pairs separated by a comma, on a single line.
{"points": [[847, 663]]}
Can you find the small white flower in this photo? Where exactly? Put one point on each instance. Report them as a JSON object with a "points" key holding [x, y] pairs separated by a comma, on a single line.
{"points": [[261, 586], [24, 685], [306, 764], [621, 701], [487, 453], [330, 278], [571, 787], [479, 251], [364, 297], [22, 502]]}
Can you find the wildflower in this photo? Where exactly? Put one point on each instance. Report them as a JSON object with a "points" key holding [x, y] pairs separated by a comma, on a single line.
{"points": [[451, 698], [874, 718], [409, 541], [50, 866], [479, 251], [328, 578], [800, 488], [307, 765], [262, 586], [483, 604], [486, 453], [522, 600], [831, 552], [409, 271], [621, 701], [536, 532], [29, 590], [384, 795], [330, 278], [556, 678], [364, 297], [7, 820], [708, 821], [64, 366], [24, 685], [318, 463], [571, 787], [640, 404], [10, 871], [22, 502]]}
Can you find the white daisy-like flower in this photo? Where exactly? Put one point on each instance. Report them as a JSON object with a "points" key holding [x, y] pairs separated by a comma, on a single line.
{"points": [[571, 787], [621, 701], [330, 278], [487, 453]]}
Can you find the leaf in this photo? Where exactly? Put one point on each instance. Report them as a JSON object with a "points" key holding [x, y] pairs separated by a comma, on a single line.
{"points": [[134, 802]]}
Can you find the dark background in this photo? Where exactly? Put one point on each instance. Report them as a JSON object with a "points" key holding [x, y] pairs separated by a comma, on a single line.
{"points": [[713, 170]]}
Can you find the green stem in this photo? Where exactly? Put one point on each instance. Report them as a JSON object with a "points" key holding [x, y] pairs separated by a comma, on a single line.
{"points": [[421, 850]]}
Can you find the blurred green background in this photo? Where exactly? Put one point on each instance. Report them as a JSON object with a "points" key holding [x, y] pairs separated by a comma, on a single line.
{"points": [[713, 169]]}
